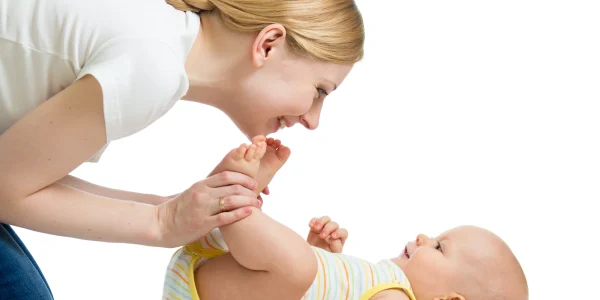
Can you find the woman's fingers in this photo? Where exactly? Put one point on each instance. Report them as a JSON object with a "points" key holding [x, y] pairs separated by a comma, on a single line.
{"points": [[266, 190], [232, 190], [229, 178], [233, 202], [229, 217]]}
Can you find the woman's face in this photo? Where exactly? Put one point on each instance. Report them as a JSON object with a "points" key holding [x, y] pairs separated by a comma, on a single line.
{"points": [[275, 87], [260, 82], [283, 92]]}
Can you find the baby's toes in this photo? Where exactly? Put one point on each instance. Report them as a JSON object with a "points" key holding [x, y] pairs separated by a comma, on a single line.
{"points": [[239, 153], [258, 139], [251, 152], [283, 153], [260, 152]]}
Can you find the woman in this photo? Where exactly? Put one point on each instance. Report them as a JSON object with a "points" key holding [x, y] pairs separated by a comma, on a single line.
{"points": [[77, 75]]}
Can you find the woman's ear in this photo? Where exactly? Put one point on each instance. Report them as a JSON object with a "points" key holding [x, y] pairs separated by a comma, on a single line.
{"points": [[451, 296], [269, 42]]}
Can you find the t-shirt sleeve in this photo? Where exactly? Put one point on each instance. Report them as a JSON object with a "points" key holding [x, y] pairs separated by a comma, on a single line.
{"points": [[140, 79]]}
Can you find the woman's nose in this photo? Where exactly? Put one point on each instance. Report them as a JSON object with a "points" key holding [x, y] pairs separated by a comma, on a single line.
{"points": [[310, 120]]}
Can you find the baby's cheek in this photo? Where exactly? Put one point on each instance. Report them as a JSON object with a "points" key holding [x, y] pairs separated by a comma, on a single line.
{"points": [[428, 265], [428, 269]]}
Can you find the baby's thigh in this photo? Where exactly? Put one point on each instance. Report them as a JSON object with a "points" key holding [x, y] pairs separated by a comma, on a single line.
{"points": [[223, 278]]}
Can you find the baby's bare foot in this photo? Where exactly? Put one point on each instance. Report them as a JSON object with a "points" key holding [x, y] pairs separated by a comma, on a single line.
{"points": [[245, 159], [275, 156]]}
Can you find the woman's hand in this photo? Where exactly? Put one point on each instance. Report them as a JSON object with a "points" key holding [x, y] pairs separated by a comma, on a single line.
{"points": [[326, 235], [194, 213]]}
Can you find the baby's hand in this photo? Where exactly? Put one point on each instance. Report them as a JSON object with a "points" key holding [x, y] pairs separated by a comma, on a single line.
{"points": [[326, 235]]}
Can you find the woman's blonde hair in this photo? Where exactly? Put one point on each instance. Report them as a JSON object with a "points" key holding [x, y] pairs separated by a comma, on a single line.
{"points": [[328, 30]]}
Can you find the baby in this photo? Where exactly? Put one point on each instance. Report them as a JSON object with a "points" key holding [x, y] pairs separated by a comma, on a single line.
{"points": [[259, 258]]}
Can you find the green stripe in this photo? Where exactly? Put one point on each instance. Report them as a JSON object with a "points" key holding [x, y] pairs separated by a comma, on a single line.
{"points": [[177, 291], [351, 283], [216, 241]]}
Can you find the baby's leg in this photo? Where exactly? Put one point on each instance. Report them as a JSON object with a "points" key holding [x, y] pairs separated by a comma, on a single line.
{"points": [[271, 156], [275, 156], [245, 159], [267, 260]]}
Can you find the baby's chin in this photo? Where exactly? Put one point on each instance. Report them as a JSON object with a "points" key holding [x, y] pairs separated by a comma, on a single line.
{"points": [[403, 257], [401, 260]]}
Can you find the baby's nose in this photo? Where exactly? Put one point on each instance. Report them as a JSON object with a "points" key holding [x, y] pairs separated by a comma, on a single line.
{"points": [[423, 240]]}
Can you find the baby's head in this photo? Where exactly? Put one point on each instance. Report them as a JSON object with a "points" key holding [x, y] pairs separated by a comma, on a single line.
{"points": [[467, 263]]}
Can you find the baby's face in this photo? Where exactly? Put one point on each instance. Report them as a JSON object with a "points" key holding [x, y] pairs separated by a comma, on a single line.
{"points": [[439, 266]]}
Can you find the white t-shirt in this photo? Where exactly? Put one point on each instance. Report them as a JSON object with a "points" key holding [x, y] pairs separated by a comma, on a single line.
{"points": [[136, 49]]}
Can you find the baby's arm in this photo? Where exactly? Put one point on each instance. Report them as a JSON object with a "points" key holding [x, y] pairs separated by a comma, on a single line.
{"points": [[267, 260]]}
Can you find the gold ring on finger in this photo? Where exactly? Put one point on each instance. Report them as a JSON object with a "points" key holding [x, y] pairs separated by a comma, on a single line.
{"points": [[222, 204]]}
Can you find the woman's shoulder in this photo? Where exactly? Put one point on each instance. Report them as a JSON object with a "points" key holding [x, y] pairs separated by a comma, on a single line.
{"points": [[74, 29], [141, 79]]}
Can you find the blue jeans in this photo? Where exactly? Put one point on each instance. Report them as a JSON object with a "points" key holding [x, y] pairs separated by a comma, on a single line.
{"points": [[20, 276]]}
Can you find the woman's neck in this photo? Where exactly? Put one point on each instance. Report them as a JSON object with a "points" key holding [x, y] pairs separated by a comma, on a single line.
{"points": [[217, 62]]}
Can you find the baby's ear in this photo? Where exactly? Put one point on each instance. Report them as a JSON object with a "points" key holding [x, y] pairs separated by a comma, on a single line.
{"points": [[451, 296]]}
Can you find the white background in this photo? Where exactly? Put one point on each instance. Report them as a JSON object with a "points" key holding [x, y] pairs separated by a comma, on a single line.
{"points": [[462, 112]]}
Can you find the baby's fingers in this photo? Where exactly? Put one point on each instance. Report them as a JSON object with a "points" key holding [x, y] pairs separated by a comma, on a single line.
{"points": [[340, 234], [329, 229], [336, 245], [317, 224]]}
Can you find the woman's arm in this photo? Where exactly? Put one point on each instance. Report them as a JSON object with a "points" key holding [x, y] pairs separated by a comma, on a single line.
{"points": [[97, 190], [267, 260], [42, 148], [66, 130]]}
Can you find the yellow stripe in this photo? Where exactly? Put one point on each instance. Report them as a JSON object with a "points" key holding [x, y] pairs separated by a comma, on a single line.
{"points": [[341, 272], [387, 286], [393, 274], [345, 269], [216, 241], [209, 244], [180, 267], [372, 276], [193, 291], [173, 296], [324, 276], [363, 264], [320, 273], [180, 276]]}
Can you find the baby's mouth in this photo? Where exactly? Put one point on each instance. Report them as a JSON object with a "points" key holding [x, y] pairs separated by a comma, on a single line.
{"points": [[406, 252]]}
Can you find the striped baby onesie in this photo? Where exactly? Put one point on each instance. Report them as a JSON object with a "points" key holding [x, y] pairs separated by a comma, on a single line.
{"points": [[345, 277], [339, 276]]}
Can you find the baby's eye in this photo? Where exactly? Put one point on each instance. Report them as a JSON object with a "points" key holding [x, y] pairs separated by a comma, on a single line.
{"points": [[322, 92], [439, 246]]}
